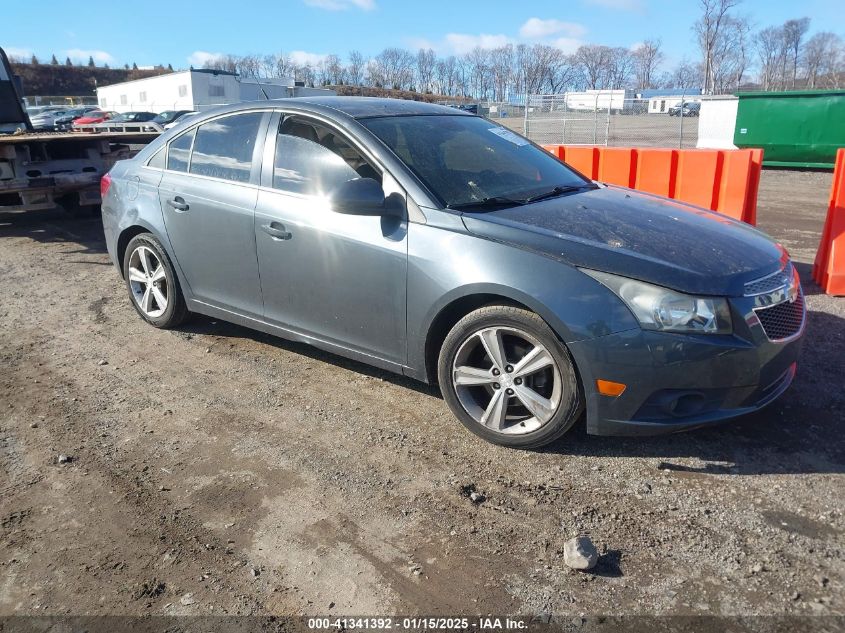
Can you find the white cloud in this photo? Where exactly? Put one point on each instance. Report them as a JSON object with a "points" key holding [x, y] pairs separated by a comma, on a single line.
{"points": [[461, 43], [563, 35], [537, 29], [342, 5], [82, 55], [198, 59], [18, 53], [567, 44], [625, 5], [301, 58]]}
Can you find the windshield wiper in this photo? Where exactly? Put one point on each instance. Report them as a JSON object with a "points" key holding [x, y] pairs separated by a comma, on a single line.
{"points": [[493, 202], [556, 191]]}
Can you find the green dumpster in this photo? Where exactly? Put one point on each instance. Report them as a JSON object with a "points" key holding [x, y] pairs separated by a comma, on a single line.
{"points": [[800, 128]]}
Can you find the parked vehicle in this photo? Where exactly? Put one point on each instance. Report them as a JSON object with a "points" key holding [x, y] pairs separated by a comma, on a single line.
{"points": [[437, 244], [169, 116], [690, 108], [34, 111], [134, 117], [179, 119], [46, 120], [95, 116], [65, 121]]}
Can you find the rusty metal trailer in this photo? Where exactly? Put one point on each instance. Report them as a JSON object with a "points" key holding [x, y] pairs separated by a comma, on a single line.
{"points": [[46, 170]]}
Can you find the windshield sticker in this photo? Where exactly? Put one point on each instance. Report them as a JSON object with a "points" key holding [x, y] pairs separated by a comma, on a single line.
{"points": [[516, 139]]}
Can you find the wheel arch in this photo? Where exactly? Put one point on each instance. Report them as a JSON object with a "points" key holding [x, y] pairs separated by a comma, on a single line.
{"points": [[456, 307], [123, 240]]}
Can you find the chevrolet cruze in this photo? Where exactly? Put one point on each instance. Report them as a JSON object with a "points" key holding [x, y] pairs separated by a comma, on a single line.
{"points": [[436, 244]]}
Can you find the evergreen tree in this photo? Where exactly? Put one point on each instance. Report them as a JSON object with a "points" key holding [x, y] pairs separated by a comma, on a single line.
{"points": [[170, 67], [68, 62], [34, 60], [134, 66], [54, 61], [91, 63]]}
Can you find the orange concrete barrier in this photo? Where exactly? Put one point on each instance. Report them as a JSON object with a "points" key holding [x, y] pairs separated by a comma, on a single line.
{"points": [[584, 159], [829, 267], [721, 180], [656, 171], [618, 166]]}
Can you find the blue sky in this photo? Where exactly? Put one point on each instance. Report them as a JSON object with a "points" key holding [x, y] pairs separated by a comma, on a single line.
{"points": [[181, 33]]}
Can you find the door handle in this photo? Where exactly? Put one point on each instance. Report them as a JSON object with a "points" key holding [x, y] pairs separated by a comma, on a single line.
{"points": [[276, 230], [178, 203]]}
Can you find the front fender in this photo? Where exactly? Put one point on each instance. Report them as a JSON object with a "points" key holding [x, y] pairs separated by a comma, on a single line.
{"points": [[445, 266]]}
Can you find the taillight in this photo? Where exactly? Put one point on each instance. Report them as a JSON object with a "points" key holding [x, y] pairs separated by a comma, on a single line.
{"points": [[105, 183]]}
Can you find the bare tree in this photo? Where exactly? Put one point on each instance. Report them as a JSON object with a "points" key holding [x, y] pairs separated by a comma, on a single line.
{"points": [[595, 61], [707, 28], [355, 68], [769, 51], [501, 69], [426, 59], [647, 58], [445, 75], [820, 55], [730, 55], [394, 67], [686, 76], [793, 35], [620, 67]]}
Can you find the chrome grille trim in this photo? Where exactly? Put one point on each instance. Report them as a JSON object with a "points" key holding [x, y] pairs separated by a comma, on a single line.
{"points": [[784, 321], [775, 281]]}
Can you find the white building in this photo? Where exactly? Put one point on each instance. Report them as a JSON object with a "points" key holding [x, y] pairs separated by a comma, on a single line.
{"points": [[196, 90], [592, 100]]}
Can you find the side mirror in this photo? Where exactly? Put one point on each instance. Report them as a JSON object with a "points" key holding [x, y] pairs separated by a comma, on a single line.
{"points": [[359, 196]]}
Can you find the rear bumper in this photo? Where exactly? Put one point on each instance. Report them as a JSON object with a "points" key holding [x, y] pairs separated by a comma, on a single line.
{"points": [[676, 382]]}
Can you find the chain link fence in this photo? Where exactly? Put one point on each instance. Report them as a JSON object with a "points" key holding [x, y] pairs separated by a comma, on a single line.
{"points": [[608, 119]]}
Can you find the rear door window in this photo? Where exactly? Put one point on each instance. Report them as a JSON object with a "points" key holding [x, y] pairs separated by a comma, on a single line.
{"points": [[224, 147], [179, 152]]}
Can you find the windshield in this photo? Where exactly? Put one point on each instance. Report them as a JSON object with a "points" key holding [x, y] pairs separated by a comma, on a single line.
{"points": [[467, 160]]}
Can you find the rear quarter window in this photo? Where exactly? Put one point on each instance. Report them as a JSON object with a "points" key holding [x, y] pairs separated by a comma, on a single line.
{"points": [[157, 161], [179, 151]]}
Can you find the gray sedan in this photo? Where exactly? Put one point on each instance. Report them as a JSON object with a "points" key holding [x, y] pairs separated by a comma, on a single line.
{"points": [[436, 244]]}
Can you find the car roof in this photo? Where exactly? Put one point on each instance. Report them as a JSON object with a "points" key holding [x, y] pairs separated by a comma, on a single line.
{"points": [[354, 107], [363, 107]]}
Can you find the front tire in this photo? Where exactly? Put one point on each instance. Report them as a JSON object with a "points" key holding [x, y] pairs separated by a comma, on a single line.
{"points": [[508, 379], [152, 283]]}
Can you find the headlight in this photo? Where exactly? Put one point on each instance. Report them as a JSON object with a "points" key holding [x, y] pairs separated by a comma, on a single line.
{"points": [[659, 308]]}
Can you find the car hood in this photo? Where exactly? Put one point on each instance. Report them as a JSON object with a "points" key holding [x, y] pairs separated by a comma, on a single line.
{"points": [[638, 235]]}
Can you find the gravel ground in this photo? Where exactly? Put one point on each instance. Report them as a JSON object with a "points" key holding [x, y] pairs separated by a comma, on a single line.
{"points": [[214, 470]]}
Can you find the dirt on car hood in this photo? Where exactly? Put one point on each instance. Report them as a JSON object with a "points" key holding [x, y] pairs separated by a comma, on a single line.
{"points": [[638, 235]]}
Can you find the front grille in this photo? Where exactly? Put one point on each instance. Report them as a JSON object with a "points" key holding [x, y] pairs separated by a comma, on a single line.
{"points": [[769, 283], [782, 320]]}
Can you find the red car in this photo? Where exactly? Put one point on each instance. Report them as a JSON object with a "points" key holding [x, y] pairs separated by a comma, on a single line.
{"points": [[97, 116]]}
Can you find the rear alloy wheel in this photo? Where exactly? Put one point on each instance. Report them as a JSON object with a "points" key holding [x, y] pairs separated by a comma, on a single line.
{"points": [[508, 379], [152, 284]]}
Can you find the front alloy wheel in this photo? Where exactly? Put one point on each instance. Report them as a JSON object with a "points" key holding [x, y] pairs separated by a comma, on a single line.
{"points": [[507, 377], [506, 380]]}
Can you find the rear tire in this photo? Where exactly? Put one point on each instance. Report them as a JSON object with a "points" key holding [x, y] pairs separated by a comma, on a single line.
{"points": [[152, 283], [508, 379]]}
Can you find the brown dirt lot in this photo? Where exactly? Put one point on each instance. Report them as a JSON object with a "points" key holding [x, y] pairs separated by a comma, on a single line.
{"points": [[215, 470]]}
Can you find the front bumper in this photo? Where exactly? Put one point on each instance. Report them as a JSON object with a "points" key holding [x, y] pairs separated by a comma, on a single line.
{"points": [[676, 382]]}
